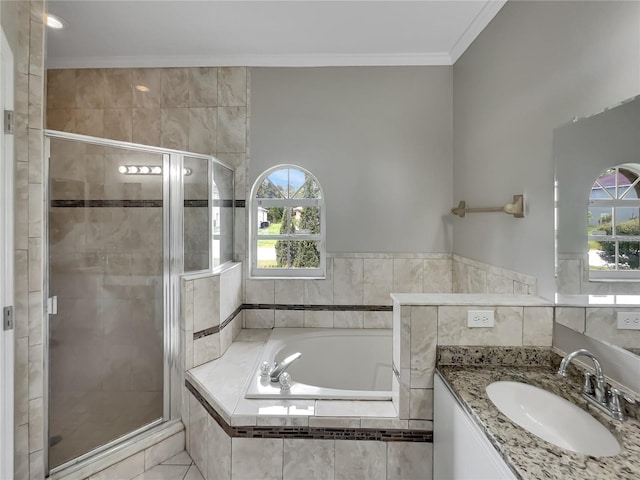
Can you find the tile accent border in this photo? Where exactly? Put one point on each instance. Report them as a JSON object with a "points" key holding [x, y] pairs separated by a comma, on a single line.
{"points": [[217, 328], [380, 435], [318, 308]]}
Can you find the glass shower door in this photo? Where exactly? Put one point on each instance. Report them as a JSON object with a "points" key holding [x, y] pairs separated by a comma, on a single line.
{"points": [[107, 256]]}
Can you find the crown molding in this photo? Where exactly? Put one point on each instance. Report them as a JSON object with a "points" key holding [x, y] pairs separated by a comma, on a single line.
{"points": [[313, 60], [484, 16]]}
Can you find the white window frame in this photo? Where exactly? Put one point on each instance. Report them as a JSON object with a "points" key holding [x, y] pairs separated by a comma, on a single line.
{"points": [[254, 203], [613, 204]]}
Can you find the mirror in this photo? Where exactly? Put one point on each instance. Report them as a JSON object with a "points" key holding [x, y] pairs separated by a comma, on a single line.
{"points": [[597, 219]]}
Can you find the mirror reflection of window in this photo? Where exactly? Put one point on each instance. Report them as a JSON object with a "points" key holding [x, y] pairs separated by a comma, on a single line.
{"points": [[613, 230]]}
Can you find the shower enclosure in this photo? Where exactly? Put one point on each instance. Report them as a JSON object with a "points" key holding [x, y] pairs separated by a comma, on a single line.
{"points": [[124, 221]]}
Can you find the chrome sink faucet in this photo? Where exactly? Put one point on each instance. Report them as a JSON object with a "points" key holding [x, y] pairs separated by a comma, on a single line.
{"points": [[279, 368], [597, 394]]}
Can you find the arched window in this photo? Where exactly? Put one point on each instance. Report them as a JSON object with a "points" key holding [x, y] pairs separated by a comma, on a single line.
{"points": [[614, 224], [287, 226]]}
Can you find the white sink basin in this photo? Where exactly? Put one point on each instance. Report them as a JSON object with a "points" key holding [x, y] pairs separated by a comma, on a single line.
{"points": [[553, 419]]}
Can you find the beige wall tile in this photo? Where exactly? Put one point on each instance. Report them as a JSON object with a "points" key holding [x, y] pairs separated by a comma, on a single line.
{"points": [[174, 128], [202, 130], [90, 87], [424, 336], [409, 460], [289, 318], [253, 458], [377, 281], [61, 119], [232, 86], [347, 281], [453, 330], [572, 317], [356, 459], [203, 87], [378, 319], [219, 450], [232, 129], [146, 126], [117, 124], [61, 89], [421, 404], [407, 275], [175, 87], [348, 319], [89, 122], [308, 459], [152, 79], [289, 292], [259, 318], [117, 88], [320, 319], [206, 349], [537, 328], [437, 276]]}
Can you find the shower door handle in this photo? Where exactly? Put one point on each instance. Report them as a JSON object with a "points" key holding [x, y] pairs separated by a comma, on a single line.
{"points": [[52, 305]]}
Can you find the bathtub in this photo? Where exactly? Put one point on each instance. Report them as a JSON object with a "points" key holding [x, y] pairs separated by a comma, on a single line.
{"points": [[338, 364]]}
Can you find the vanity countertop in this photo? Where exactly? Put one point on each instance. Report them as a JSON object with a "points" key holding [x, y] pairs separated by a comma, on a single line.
{"points": [[530, 457]]}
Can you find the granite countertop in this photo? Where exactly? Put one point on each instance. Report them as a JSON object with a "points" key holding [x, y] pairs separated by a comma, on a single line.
{"points": [[530, 457]]}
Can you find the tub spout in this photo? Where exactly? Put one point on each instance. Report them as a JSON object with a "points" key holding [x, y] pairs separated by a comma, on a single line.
{"points": [[281, 367]]}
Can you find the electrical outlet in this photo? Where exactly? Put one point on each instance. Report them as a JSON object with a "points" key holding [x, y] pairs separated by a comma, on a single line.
{"points": [[480, 318], [628, 320]]}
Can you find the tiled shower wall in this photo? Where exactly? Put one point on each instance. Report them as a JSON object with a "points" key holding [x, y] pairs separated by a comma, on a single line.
{"points": [[29, 352]]}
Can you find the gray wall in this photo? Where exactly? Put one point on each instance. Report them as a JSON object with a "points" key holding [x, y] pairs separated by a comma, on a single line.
{"points": [[379, 139], [534, 67]]}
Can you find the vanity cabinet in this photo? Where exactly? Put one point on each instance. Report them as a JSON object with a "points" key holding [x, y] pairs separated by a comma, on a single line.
{"points": [[460, 450]]}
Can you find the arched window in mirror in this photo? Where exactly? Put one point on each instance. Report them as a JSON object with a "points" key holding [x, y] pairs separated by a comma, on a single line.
{"points": [[614, 224], [287, 226]]}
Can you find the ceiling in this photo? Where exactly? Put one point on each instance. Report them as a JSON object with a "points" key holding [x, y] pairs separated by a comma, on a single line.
{"points": [[175, 33]]}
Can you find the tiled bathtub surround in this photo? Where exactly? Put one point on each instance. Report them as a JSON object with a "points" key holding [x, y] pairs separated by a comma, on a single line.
{"points": [[225, 430], [470, 276], [572, 278], [422, 322]]}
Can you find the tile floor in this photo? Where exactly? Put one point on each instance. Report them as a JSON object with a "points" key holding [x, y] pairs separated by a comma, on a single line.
{"points": [[179, 467]]}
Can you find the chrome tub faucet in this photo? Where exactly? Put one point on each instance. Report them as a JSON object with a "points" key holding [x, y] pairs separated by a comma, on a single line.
{"points": [[279, 368]]}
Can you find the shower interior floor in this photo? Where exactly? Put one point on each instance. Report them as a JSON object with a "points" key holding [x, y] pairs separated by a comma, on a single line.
{"points": [[82, 421], [180, 467]]}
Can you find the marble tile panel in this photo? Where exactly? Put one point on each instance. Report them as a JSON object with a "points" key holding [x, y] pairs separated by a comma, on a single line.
{"points": [[61, 89], [259, 318], [437, 275], [377, 281], [117, 88], [35, 264], [602, 323], [206, 303], [334, 422], [405, 337], [290, 292], [152, 79], [35, 209], [89, 86], [226, 338], [203, 123], [453, 330], [537, 326], [118, 124], [378, 319], [408, 275], [348, 319], [259, 291], [36, 314], [230, 291], [354, 408], [186, 303], [36, 465], [193, 474], [36, 372], [146, 126], [175, 87], [347, 281], [206, 349], [253, 458], [421, 424], [409, 460], [36, 170], [203, 87], [232, 129], [197, 430], [21, 294], [424, 336], [166, 449], [21, 451], [253, 335], [289, 318], [174, 128], [572, 317], [21, 384], [384, 423], [355, 460], [308, 459], [127, 468], [89, 121], [181, 458], [476, 280], [499, 283], [421, 403], [21, 207], [36, 424], [36, 93], [318, 292], [232, 86], [239, 239], [165, 472], [219, 451], [520, 288], [61, 119], [321, 319], [36, 48]]}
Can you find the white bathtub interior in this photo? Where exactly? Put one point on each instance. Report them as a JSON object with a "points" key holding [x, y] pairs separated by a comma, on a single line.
{"points": [[349, 364]]}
